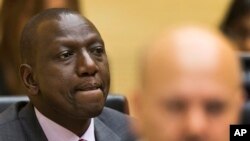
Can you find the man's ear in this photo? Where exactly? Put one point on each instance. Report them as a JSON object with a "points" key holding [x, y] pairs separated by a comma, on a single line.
{"points": [[28, 79], [242, 98], [136, 101]]}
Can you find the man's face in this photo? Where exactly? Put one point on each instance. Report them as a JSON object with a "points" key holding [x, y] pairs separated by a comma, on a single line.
{"points": [[188, 108], [190, 88], [71, 68]]}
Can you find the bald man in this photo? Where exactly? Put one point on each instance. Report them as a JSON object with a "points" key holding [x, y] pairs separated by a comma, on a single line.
{"points": [[190, 87], [66, 73]]}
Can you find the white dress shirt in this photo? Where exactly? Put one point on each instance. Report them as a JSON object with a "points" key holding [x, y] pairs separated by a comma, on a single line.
{"points": [[55, 132]]}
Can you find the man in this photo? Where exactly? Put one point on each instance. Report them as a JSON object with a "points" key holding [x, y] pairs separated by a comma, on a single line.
{"points": [[236, 24], [66, 73], [191, 87]]}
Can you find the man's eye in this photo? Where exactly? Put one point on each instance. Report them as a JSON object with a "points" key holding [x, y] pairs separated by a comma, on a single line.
{"points": [[215, 108], [65, 54], [175, 106], [98, 51]]}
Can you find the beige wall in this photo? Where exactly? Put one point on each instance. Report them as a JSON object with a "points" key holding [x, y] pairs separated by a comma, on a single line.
{"points": [[126, 25]]}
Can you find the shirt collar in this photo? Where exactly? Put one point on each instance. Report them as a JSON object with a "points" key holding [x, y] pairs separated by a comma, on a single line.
{"points": [[54, 131]]}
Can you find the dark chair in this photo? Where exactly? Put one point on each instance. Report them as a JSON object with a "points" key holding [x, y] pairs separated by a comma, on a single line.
{"points": [[245, 63], [116, 102], [245, 117]]}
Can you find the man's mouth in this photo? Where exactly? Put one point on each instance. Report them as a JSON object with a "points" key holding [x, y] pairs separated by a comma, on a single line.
{"points": [[88, 87]]}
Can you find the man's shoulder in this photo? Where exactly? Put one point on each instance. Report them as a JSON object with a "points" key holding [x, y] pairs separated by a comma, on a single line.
{"points": [[10, 126], [118, 122], [11, 113], [110, 114]]}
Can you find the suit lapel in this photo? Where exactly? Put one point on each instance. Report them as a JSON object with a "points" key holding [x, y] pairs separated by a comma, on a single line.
{"points": [[103, 132], [30, 124], [34, 131]]}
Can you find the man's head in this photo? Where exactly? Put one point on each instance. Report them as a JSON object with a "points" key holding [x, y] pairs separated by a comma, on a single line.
{"points": [[64, 65], [190, 87]]}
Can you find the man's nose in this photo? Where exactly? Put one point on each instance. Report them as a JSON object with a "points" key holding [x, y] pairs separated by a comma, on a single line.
{"points": [[196, 123], [85, 65]]}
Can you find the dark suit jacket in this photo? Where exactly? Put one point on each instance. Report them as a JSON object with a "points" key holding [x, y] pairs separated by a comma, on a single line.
{"points": [[19, 123]]}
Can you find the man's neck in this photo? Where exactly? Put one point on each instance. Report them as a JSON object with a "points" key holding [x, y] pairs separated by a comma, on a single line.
{"points": [[77, 126]]}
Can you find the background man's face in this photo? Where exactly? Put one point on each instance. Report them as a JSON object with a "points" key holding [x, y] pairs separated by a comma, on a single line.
{"points": [[188, 108], [190, 88], [71, 67], [241, 32]]}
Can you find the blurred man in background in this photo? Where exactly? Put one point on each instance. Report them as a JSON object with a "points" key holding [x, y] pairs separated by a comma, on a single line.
{"points": [[236, 24], [190, 87]]}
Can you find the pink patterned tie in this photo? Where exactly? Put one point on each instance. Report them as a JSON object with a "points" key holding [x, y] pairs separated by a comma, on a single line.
{"points": [[82, 140]]}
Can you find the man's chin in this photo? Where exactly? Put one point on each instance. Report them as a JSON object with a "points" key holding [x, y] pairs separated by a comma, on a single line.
{"points": [[95, 111], [91, 111]]}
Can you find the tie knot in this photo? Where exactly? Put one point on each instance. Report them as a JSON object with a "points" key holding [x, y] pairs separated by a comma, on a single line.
{"points": [[82, 140]]}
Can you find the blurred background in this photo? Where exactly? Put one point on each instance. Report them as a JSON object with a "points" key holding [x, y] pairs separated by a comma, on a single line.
{"points": [[124, 25], [127, 25]]}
